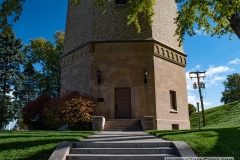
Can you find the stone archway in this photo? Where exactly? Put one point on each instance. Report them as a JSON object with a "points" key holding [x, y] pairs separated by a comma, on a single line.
{"points": [[122, 98], [126, 80]]}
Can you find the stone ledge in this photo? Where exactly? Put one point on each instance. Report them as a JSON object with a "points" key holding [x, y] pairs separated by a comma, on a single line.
{"points": [[183, 149], [173, 111], [128, 48], [61, 151]]}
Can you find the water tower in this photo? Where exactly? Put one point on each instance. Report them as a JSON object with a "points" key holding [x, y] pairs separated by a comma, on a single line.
{"points": [[130, 75]]}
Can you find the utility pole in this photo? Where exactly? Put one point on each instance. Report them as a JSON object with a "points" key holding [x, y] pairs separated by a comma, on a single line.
{"points": [[198, 116], [200, 85]]}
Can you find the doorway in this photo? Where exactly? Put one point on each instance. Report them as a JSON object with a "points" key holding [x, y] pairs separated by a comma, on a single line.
{"points": [[123, 103]]}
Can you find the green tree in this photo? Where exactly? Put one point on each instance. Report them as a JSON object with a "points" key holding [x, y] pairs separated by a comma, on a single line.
{"points": [[231, 92], [47, 54], [10, 8], [11, 78], [29, 86], [191, 108], [212, 16]]}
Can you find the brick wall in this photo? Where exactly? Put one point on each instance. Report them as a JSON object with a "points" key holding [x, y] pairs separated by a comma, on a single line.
{"points": [[87, 23]]}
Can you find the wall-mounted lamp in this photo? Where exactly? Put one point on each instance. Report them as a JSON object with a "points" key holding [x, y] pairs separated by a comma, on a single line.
{"points": [[99, 76], [145, 72]]}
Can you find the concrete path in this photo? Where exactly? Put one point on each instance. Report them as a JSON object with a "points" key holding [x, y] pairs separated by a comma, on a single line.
{"points": [[119, 136]]}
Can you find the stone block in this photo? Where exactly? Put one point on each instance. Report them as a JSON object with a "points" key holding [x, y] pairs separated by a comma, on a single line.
{"points": [[98, 123], [147, 122]]}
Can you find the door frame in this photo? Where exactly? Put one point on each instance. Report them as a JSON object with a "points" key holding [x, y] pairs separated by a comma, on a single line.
{"points": [[129, 98]]}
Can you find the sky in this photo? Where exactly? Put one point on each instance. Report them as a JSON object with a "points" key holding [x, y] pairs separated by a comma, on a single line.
{"points": [[219, 57]]}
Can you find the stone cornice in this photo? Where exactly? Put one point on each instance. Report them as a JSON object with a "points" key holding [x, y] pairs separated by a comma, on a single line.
{"points": [[137, 48], [169, 55], [76, 56], [123, 41]]}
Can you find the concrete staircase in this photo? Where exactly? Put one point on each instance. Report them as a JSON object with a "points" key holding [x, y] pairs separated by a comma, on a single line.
{"points": [[123, 125], [138, 150], [121, 145], [122, 139]]}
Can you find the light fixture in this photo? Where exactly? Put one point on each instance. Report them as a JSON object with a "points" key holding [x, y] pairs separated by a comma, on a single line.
{"points": [[145, 76], [99, 76]]}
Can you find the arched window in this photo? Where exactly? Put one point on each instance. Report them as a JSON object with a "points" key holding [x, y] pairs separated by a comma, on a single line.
{"points": [[120, 2]]}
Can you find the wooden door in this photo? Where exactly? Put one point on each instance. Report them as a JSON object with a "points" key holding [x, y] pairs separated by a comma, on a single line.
{"points": [[122, 103]]}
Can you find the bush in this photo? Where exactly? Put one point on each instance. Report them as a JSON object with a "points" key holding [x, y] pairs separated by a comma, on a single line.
{"points": [[32, 113], [71, 108]]}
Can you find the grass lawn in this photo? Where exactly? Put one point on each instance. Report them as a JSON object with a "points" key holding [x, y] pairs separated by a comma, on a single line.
{"points": [[220, 137], [210, 142], [220, 116], [35, 145]]}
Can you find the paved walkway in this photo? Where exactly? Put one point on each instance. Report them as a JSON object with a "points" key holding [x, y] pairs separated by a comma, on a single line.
{"points": [[122, 136]]}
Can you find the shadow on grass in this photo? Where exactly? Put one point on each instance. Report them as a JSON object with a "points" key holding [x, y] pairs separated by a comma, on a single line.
{"points": [[209, 142], [37, 145]]}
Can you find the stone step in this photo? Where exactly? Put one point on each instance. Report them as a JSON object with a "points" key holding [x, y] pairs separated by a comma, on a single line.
{"points": [[123, 122], [127, 127], [151, 150], [122, 119], [122, 125], [122, 129], [122, 144], [116, 123], [119, 157]]}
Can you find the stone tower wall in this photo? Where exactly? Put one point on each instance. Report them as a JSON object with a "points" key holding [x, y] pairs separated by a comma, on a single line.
{"points": [[163, 27], [86, 23], [78, 26], [169, 76], [76, 71], [113, 25]]}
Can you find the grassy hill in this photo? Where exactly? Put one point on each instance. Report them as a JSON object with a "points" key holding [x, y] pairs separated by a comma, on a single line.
{"points": [[220, 116], [220, 137]]}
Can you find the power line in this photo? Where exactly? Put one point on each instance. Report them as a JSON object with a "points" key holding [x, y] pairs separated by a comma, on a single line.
{"points": [[224, 54], [228, 59], [217, 59]]}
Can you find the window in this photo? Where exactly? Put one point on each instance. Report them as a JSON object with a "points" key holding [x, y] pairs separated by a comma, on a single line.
{"points": [[175, 126], [121, 2], [173, 101]]}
